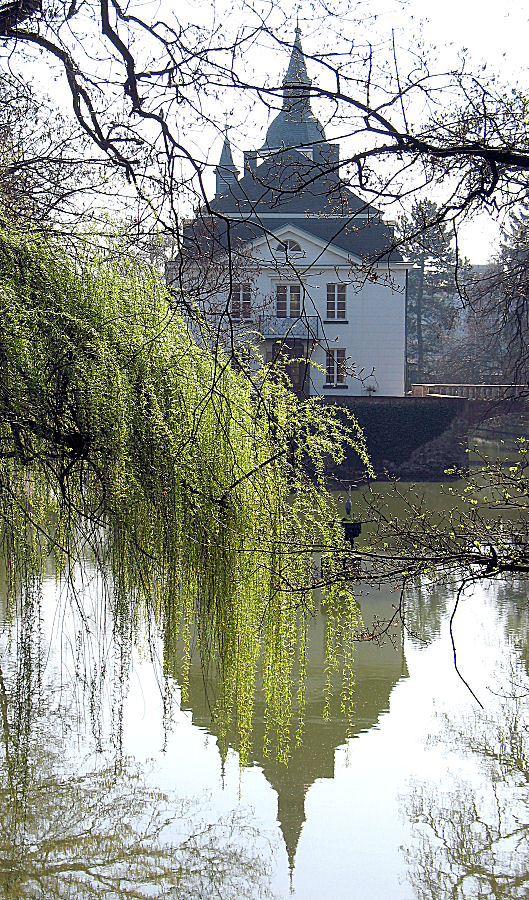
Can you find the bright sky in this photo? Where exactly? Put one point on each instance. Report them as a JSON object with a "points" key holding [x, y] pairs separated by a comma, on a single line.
{"points": [[488, 34], [493, 33]]}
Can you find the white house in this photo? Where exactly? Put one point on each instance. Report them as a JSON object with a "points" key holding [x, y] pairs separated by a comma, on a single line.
{"points": [[289, 260]]}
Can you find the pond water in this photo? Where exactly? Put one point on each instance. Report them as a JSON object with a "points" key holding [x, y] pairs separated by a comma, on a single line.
{"points": [[423, 793]]}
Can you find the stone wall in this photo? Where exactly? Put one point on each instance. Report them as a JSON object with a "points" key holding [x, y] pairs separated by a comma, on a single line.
{"points": [[412, 437]]}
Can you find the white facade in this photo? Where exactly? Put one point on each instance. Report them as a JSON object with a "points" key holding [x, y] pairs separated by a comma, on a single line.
{"points": [[287, 259], [345, 323]]}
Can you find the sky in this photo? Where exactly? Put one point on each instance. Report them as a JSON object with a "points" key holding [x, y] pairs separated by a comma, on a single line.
{"points": [[494, 34], [491, 35]]}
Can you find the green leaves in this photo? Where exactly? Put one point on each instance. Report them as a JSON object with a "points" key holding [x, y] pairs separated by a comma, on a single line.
{"points": [[122, 438]]}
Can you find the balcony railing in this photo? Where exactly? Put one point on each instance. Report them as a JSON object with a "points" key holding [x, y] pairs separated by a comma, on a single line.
{"points": [[305, 328]]}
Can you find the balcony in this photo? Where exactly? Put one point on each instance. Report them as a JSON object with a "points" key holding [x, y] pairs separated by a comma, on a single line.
{"points": [[305, 328]]}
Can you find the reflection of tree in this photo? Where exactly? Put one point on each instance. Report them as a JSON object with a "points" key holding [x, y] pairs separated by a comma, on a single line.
{"points": [[512, 600], [424, 608], [104, 833], [472, 842]]}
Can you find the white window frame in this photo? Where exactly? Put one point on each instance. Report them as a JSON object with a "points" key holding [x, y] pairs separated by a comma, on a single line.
{"points": [[288, 297], [336, 301], [241, 300], [335, 367]]}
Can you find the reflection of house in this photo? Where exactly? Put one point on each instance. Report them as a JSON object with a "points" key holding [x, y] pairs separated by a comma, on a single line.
{"points": [[289, 259], [377, 669]]}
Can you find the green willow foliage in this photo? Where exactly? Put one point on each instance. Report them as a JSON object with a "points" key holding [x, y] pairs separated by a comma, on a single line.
{"points": [[185, 481]]}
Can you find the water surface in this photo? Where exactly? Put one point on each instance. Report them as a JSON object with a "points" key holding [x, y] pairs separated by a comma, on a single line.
{"points": [[422, 794]]}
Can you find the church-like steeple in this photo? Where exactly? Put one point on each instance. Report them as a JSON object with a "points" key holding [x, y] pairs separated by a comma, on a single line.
{"points": [[296, 125], [226, 172], [297, 71]]}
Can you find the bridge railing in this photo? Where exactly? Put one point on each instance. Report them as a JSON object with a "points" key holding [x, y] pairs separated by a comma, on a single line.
{"points": [[470, 391]]}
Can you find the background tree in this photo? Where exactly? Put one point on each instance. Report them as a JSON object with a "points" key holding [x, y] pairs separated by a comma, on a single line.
{"points": [[47, 164], [499, 298], [433, 297]]}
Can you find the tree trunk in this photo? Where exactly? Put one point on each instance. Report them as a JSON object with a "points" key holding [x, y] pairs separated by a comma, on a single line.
{"points": [[418, 319]]}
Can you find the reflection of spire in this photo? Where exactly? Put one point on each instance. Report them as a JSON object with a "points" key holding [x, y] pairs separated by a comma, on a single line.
{"points": [[377, 670], [226, 171], [290, 811]]}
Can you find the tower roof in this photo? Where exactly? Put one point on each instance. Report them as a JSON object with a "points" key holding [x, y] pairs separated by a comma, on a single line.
{"points": [[295, 125], [226, 159], [297, 70], [226, 171]]}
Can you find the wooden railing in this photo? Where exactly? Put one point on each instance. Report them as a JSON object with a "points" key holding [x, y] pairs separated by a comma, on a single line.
{"points": [[470, 391]]}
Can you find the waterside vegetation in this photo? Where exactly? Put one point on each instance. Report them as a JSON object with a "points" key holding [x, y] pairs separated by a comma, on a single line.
{"points": [[185, 483]]}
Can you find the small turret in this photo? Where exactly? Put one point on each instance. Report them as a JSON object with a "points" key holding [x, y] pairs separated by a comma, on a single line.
{"points": [[226, 172]]}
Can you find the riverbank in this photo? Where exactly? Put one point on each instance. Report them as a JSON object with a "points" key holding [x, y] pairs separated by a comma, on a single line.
{"points": [[421, 437]]}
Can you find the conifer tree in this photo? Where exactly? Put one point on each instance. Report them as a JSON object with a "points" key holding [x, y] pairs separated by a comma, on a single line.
{"points": [[432, 288], [499, 301], [510, 306]]}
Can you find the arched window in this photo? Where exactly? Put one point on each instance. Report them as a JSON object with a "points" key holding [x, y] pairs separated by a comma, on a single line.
{"points": [[288, 247]]}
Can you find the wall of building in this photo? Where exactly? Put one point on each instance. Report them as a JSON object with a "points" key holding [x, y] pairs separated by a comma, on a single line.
{"points": [[373, 336], [373, 333]]}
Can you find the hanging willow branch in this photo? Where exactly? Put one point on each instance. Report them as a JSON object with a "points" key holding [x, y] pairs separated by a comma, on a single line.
{"points": [[121, 436]]}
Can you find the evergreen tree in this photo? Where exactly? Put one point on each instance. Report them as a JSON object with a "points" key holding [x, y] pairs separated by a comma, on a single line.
{"points": [[432, 289], [509, 306]]}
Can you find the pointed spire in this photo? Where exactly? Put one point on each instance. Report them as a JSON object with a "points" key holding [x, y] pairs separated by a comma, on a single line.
{"points": [[296, 124], [297, 71], [226, 172], [226, 158]]}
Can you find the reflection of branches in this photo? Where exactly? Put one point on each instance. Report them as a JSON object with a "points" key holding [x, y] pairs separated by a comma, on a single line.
{"points": [[106, 833], [461, 853], [74, 828], [424, 607], [460, 591], [472, 843]]}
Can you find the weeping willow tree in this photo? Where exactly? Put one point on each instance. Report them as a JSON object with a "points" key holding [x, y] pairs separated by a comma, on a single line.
{"points": [[184, 481]]}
